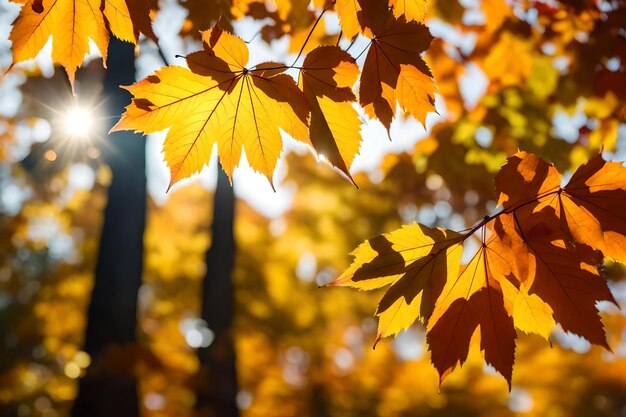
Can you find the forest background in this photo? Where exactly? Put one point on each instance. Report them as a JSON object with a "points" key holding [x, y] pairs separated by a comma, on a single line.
{"points": [[544, 77]]}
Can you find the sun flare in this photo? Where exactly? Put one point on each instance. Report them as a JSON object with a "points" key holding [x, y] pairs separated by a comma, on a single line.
{"points": [[78, 122]]}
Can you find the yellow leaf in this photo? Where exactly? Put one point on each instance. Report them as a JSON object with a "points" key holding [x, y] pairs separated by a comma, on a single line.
{"points": [[416, 261], [71, 23], [347, 11], [128, 18], [219, 101], [410, 9], [530, 313]]}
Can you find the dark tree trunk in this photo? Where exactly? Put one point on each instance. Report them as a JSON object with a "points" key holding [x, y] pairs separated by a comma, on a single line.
{"points": [[217, 388], [112, 317]]}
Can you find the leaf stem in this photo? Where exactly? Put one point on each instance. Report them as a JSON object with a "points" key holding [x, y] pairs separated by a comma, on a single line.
{"points": [[509, 210], [308, 37]]}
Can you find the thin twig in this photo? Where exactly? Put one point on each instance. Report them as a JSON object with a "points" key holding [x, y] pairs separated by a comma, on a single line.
{"points": [[162, 55], [308, 37]]}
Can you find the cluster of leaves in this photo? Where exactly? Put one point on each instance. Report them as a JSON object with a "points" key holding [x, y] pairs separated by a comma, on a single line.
{"points": [[538, 264], [289, 335], [537, 259], [220, 100]]}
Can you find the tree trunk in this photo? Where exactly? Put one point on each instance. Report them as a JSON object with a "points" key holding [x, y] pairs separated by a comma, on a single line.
{"points": [[217, 389], [112, 317]]}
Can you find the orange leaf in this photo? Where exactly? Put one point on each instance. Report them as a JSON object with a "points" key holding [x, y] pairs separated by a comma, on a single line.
{"points": [[449, 337], [394, 71], [594, 207], [561, 274], [410, 9], [523, 178], [349, 10], [327, 75], [472, 299], [537, 265], [590, 207]]}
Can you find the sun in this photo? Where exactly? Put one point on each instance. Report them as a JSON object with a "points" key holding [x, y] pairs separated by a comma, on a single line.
{"points": [[78, 122]]}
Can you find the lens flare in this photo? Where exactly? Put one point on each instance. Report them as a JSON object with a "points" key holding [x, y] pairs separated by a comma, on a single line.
{"points": [[78, 122]]}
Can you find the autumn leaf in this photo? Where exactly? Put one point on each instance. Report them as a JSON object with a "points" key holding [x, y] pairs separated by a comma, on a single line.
{"points": [[128, 18], [561, 274], [556, 232], [590, 207], [537, 265], [72, 23], [414, 262], [524, 177], [475, 298], [202, 14], [219, 101], [348, 11], [326, 77], [530, 313], [449, 337], [594, 205], [394, 71], [411, 9]]}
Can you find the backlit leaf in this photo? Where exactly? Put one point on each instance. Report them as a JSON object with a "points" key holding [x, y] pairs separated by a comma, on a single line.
{"points": [[537, 265], [394, 72], [326, 77], [218, 101], [72, 23], [415, 262]]}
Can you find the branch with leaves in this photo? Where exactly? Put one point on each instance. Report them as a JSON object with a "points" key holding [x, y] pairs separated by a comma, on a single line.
{"points": [[537, 265], [221, 100]]}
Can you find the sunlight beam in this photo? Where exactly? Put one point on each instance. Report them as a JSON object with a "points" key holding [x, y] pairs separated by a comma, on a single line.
{"points": [[78, 122]]}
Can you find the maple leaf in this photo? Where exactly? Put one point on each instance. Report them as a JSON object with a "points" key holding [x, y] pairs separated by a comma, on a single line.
{"points": [[590, 207], [524, 177], [475, 298], [72, 23], [128, 18], [530, 313], [415, 262], [348, 11], [542, 221], [449, 337], [411, 9], [202, 14], [561, 274], [593, 204], [326, 77], [537, 265], [394, 71], [219, 101]]}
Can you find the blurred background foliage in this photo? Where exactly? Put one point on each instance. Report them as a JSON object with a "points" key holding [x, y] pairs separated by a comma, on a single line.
{"points": [[546, 77]]}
